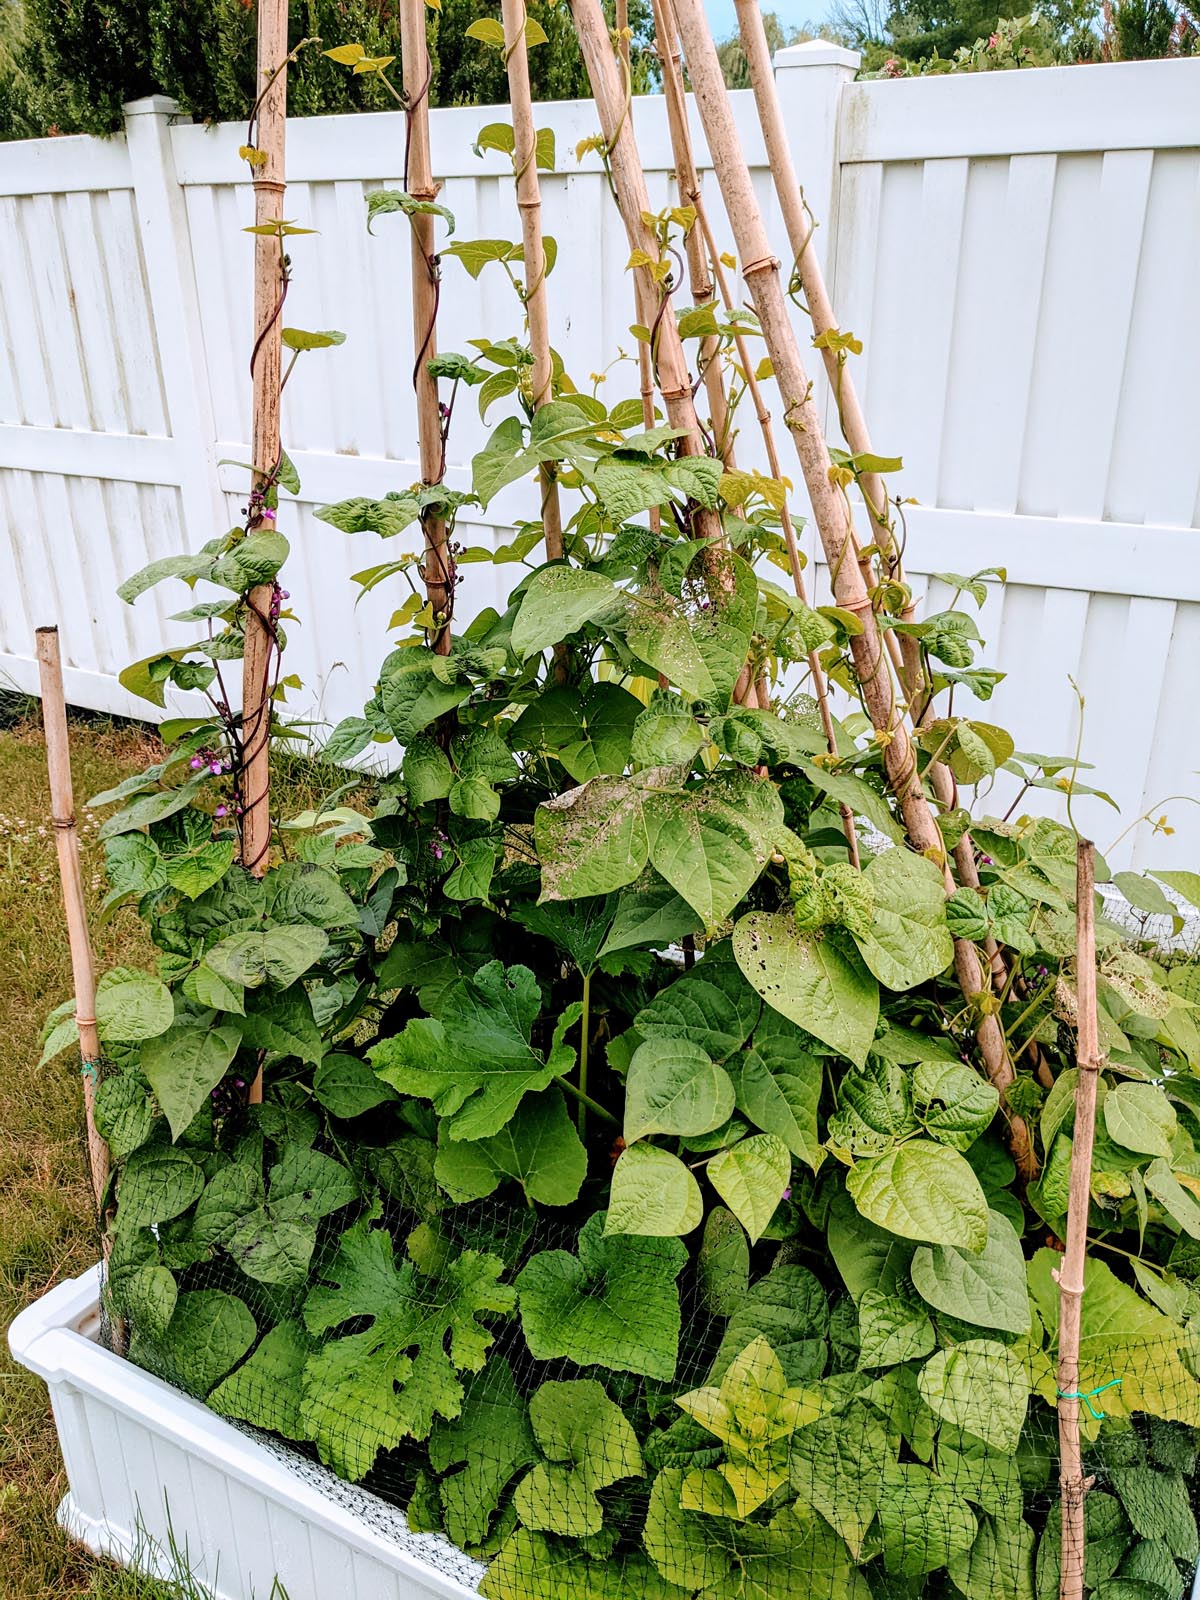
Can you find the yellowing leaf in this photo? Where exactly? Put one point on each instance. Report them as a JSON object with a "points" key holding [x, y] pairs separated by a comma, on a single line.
{"points": [[345, 54], [488, 31]]}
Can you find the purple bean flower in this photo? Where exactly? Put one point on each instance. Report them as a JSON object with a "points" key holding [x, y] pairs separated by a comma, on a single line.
{"points": [[221, 811]]}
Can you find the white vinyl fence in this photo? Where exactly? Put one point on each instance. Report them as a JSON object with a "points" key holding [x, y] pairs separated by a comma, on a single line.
{"points": [[1020, 252]]}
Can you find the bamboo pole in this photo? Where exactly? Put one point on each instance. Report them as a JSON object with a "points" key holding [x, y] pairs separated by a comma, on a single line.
{"points": [[269, 288], [1071, 1274], [687, 180], [763, 416], [66, 839], [610, 90], [761, 272], [831, 514], [426, 283], [529, 203], [701, 241], [799, 223]]}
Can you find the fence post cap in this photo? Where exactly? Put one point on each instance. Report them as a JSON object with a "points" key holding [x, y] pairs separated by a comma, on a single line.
{"points": [[817, 53], [158, 105]]}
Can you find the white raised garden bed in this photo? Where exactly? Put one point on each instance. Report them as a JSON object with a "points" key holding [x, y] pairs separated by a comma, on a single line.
{"points": [[151, 1469]]}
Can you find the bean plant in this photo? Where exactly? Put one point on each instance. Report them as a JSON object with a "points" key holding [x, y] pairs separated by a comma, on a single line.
{"points": [[627, 1193]]}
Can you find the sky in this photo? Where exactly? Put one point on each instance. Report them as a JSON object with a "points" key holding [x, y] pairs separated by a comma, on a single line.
{"points": [[790, 12]]}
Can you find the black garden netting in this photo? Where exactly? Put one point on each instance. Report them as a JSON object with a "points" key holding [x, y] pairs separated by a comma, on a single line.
{"points": [[589, 1414]]}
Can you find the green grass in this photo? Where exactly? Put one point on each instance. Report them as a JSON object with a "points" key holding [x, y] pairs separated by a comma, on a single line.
{"points": [[47, 1229]]}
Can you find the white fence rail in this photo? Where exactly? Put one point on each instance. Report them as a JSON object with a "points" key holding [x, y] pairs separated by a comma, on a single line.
{"points": [[1019, 251]]}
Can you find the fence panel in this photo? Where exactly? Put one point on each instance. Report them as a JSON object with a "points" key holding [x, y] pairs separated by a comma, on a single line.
{"points": [[1015, 250]]}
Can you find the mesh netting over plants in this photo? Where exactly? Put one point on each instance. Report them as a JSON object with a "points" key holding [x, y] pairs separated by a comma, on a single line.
{"points": [[641, 1133]]}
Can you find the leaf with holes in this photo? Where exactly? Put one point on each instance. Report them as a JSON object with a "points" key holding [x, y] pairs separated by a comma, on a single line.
{"points": [[953, 1101], [558, 601], [712, 841], [820, 985], [593, 839]]}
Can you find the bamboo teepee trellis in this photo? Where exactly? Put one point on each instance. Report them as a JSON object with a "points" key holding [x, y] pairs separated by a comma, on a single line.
{"points": [[611, 94]]}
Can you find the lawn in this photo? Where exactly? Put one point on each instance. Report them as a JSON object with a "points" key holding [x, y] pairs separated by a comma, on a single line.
{"points": [[47, 1228]]}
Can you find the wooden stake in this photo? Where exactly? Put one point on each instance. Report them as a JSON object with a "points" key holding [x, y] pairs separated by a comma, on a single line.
{"points": [[426, 280], [1070, 1274], [269, 288], [613, 103], [529, 203], [831, 513], [66, 839]]}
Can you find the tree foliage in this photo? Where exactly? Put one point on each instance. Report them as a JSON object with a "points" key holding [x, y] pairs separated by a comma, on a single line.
{"points": [[68, 66]]}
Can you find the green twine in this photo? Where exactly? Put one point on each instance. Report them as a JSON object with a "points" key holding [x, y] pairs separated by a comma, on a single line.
{"points": [[88, 1069], [1076, 1394]]}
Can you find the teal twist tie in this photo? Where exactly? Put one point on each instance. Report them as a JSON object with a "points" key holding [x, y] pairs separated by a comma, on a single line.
{"points": [[1087, 1396], [88, 1069]]}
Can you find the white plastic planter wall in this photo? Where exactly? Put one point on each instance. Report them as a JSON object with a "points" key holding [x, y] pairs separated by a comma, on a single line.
{"points": [[150, 1468]]}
